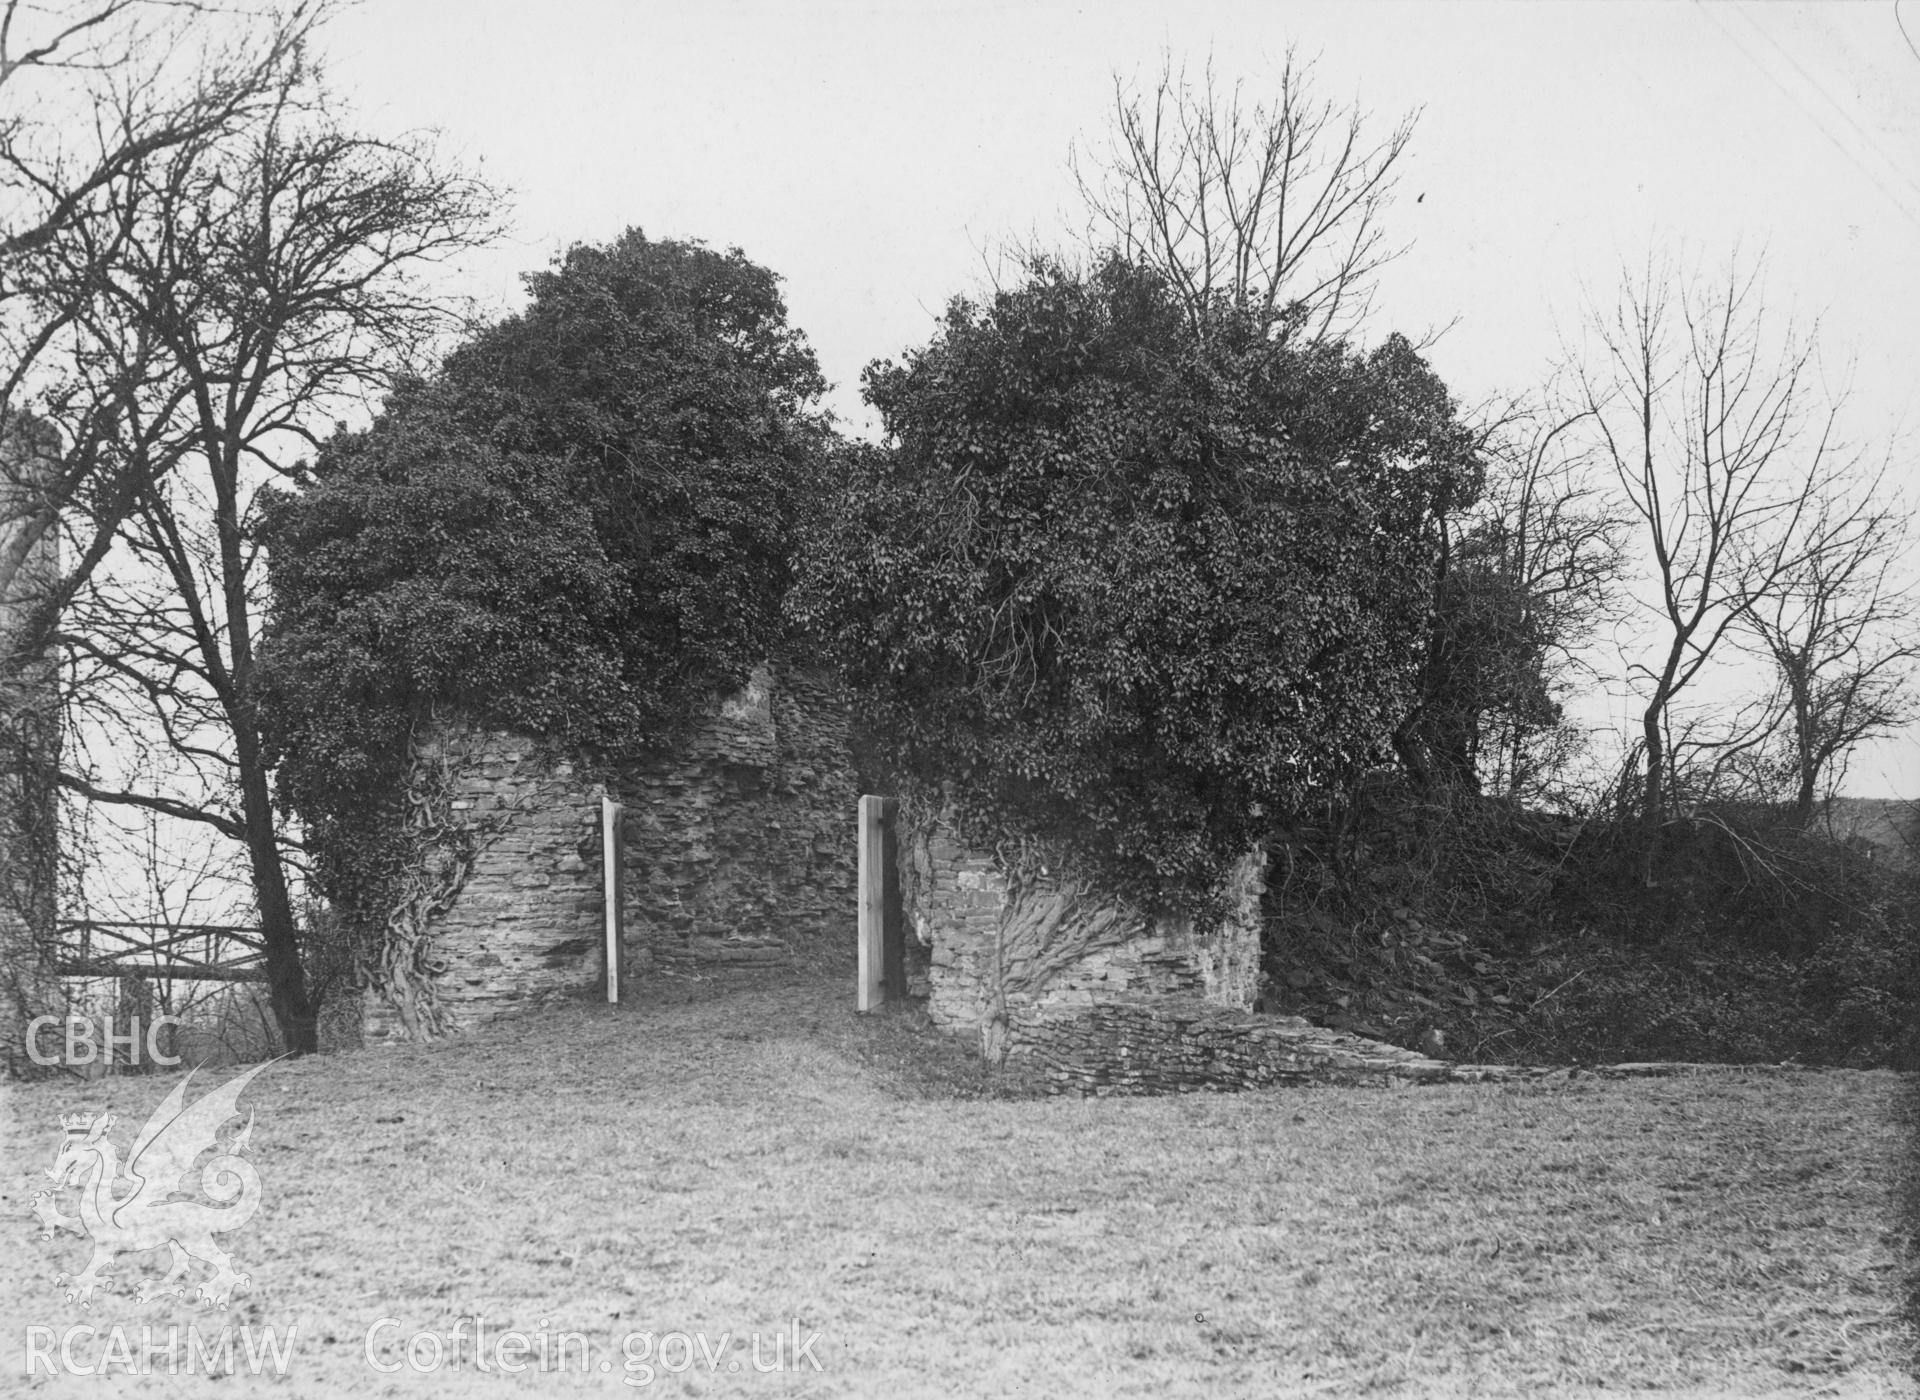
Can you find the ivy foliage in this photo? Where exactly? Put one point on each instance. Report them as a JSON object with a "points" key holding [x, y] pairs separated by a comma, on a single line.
{"points": [[1485, 683], [580, 528], [1130, 582]]}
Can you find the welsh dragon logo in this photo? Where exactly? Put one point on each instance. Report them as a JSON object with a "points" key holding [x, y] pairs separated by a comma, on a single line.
{"points": [[141, 1214]]}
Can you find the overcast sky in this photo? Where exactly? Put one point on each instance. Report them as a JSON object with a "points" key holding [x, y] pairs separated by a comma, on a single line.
{"points": [[876, 156]]}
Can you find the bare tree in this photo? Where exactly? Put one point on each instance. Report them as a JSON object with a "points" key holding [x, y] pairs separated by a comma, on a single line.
{"points": [[1274, 203], [90, 95], [1562, 538], [266, 278], [91, 91], [1838, 630], [1528, 569], [1714, 429]]}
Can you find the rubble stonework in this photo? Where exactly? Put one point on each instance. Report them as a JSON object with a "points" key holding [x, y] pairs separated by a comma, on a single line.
{"points": [[1012, 954], [739, 845], [1179, 1048], [1176, 1048], [527, 922]]}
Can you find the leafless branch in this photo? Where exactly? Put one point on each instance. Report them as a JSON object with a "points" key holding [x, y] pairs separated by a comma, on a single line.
{"points": [[1271, 202], [1707, 417]]}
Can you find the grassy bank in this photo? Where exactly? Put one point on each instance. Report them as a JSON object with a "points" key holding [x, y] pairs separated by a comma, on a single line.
{"points": [[743, 1157]]}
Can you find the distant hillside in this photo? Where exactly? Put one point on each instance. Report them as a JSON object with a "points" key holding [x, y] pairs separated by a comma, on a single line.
{"points": [[1890, 825]]}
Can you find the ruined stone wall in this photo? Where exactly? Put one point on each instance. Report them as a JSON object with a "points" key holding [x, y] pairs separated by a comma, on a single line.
{"points": [[1179, 1047], [1100, 998], [1012, 953], [527, 923], [739, 849], [740, 844]]}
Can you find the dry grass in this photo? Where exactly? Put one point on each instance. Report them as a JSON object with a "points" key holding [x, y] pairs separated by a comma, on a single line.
{"points": [[728, 1157]]}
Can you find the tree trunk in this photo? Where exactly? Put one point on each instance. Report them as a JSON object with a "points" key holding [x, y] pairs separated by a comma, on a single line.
{"points": [[1653, 794], [1803, 801], [1806, 763], [287, 995], [293, 1010], [1653, 797]]}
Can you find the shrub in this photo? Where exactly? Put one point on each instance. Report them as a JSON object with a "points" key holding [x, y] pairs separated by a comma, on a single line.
{"points": [[581, 529], [1128, 581]]}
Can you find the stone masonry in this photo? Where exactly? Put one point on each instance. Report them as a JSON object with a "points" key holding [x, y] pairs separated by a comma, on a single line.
{"points": [[1179, 1047], [739, 849], [1099, 998], [526, 924], [740, 843], [1013, 957], [1175, 1048]]}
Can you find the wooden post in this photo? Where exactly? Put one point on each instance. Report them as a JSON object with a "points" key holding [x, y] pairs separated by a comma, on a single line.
{"points": [[872, 905], [612, 833]]}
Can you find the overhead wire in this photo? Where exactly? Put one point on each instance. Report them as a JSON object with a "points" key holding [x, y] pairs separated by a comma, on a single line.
{"points": [[1865, 138]]}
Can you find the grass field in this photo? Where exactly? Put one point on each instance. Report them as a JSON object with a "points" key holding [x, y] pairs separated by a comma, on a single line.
{"points": [[741, 1157]]}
